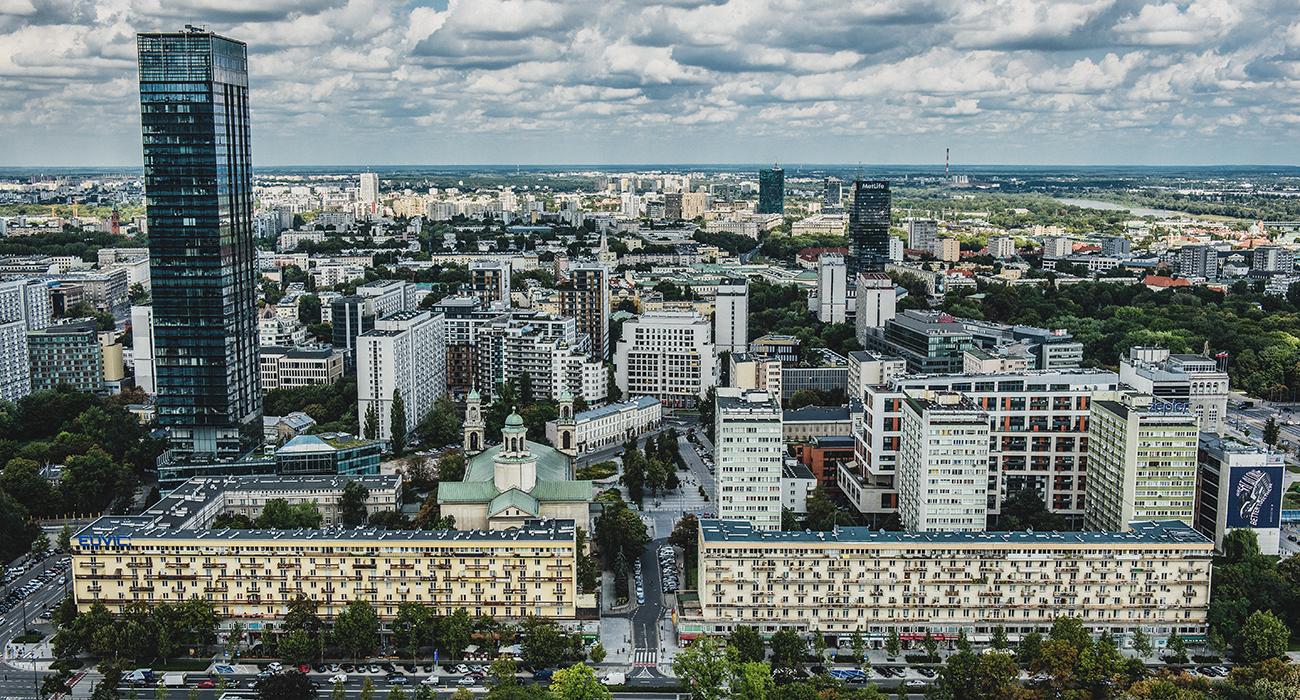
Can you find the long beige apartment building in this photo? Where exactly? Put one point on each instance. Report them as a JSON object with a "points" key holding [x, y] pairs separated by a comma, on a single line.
{"points": [[1155, 576], [251, 575]]}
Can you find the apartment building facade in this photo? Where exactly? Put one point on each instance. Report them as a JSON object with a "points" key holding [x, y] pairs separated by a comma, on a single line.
{"points": [[942, 463], [1142, 460], [668, 355], [749, 450], [251, 575], [405, 352], [1155, 576]]}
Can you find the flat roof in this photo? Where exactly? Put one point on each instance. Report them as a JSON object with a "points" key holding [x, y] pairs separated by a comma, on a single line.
{"points": [[142, 528], [180, 505], [639, 402], [1140, 532]]}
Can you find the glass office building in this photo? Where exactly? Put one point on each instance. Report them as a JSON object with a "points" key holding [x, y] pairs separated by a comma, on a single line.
{"points": [[771, 190], [868, 227], [199, 189]]}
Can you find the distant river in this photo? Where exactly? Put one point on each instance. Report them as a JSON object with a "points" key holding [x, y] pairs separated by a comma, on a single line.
{"points": [[1136, 211]]}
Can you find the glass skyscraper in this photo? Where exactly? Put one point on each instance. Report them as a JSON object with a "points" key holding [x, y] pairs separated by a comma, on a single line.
{"points": [[199, 188], [771, 190], [868, 227]]}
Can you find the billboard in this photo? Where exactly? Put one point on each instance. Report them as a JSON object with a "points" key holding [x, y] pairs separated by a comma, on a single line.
{"points": [[1254, 497]]}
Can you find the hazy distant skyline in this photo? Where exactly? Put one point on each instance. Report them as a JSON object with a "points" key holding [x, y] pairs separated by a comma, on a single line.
{"points": [[676, 81]]}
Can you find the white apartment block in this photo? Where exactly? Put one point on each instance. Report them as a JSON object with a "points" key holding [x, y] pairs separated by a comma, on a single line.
{"points": [[867, 368], [24, 306], [198, 502], [876, 303], [1154, 577], [1038, 439], [329, 274], [1002, 246], [668, 355], [142, 354], [1141, 460], [280, 331], [747, 436], [922, 234], [390, 296], [742, 228], [369, 188], [832, 289], [1191, 378], [758, 372], [611, 425], [406, 351], [943, 463], [287, 367], [731, 315], [1057, 247]]}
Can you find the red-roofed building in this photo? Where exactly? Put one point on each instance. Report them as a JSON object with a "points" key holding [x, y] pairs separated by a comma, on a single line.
{"points": [[808, 256], [1157, 282]]}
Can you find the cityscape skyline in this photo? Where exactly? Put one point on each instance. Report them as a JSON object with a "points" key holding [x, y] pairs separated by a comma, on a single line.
{"points": [[539, 82]]}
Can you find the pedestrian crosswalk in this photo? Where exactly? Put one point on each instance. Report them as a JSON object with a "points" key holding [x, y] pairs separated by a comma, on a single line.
{"points": [[645, 657]]}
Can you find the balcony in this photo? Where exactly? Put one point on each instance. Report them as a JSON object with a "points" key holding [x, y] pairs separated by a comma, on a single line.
{"points": [[91, 565]]}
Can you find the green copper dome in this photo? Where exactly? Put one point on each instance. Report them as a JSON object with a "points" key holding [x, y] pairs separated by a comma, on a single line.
{"points": [[514, 420]]}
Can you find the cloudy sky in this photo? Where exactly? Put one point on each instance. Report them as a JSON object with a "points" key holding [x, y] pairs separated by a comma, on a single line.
{"points": [[683, 81]]}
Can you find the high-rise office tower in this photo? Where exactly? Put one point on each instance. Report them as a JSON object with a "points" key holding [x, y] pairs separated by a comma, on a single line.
{"points": [[586, 299], [731, 315], [869, 226], [199, 181], [771, 190], [832, 192], [369, 187]]}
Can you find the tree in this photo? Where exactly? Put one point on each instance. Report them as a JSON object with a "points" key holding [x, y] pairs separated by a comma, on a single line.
{"points": [[1241, 545], [859, 646], [355, 628], [752, 681], [504, 672], [395, 693], [542, 643], [787, 649], [22, 480], [441, 424], [295, 647], [367, 689], [277, 514], [232, 520], [1030, 647], [65, 538], [1178, 647], [462, 693], [1025, 509], [790, 520], [893, 644], [999, 640], [1262, 637], [413, 625], [597, 654], [931, 645], [703, 668], [526, 389], [577, 682], [1071, 631], [822, 513], [451, 467], [16, 531], [1141, 643], [40, 545], [372, 422], [748, 643], [456, 631], [397, 423], [352, 504], [285, 686], [340, 692], [963, 642], [1271, 431]]}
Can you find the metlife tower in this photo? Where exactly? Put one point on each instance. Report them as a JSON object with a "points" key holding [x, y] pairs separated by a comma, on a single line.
{"points": [[199, 188]]}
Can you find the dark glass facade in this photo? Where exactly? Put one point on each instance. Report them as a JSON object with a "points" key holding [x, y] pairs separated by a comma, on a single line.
{"points": [[868, 227], [199, 189], [771, 191]]}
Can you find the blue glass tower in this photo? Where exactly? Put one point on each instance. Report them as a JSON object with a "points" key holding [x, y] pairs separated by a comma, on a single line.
{"points": [[199, 188], [771, 190], [868, 227]]}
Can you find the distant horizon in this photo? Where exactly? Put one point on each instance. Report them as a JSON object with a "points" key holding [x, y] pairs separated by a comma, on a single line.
{"points": [[11, 170]]}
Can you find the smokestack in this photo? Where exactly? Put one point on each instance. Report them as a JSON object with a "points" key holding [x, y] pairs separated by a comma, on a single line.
{"points": [[946, 161]]}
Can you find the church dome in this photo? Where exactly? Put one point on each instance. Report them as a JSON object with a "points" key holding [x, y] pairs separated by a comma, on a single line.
{"points": [[514, 420]]}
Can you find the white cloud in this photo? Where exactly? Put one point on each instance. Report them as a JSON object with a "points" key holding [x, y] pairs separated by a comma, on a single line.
{"points": [[819, 75]]}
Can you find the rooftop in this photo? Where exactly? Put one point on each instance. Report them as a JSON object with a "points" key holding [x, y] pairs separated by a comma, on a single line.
{"points": [[816, 414], [638, 403], [138, 528], [180, 505], [796, 470], [1168, 532]]}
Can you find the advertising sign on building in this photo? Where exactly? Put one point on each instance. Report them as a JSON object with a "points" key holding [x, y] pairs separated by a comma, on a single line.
{"points": [[1255, 497]]}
